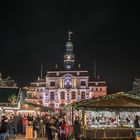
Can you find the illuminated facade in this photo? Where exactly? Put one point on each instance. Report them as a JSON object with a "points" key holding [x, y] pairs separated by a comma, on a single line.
{"points": [[36, 91], [67, 84]]}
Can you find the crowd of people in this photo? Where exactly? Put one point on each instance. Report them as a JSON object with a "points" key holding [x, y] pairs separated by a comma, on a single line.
{"points": [[51, 127]]}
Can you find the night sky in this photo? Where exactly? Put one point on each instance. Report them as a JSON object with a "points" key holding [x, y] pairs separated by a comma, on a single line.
{"points": [[33, 31]]}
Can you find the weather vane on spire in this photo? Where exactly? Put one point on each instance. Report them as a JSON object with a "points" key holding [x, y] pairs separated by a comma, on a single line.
{"points": [[69, 33]]}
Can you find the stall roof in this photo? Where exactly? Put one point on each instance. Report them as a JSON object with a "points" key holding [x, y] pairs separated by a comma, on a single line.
{"points": [[118, 101], [6, 93]]}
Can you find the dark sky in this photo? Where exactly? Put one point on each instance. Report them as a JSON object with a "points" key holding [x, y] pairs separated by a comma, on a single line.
{"points": [[33, 31]]}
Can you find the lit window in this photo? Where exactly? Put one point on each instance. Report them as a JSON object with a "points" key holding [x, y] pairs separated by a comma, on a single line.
{"points": [[68, 58], [52, 96], [82, 95], [62, 95], [73, 96]]}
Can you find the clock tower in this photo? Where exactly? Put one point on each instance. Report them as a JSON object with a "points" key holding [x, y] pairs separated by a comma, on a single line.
{"points": [[69, 57]]}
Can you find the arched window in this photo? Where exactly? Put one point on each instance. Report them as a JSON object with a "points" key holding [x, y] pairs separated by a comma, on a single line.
{"points": [[67, 83], [73, 95], [52, 105], [82, 95], [62, 95], [62, 105], [52, 95]]}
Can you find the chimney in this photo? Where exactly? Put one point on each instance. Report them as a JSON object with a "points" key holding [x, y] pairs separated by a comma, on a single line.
{"points": [[38, 78], [98, 77], [79, 65], [56, 66]]}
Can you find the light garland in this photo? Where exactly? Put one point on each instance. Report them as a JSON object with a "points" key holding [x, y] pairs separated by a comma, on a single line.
{"points": [[85, 104]]}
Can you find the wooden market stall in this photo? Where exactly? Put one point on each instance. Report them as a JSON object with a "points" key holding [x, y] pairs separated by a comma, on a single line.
{"points": [[110, 116]]}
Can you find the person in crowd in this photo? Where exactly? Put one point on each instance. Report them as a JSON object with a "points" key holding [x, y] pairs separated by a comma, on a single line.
{"points": [[30, 118], [11, 129], [57, 125], [49, 131], [77, 129], [4, 128], [136, 122], [67, 130], [44, 125], [63, 130], [23, 124], [35, 127], [19, 124], [41, 127]]}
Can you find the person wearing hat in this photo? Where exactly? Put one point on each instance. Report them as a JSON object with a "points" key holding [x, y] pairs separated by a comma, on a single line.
{"points": [[136, 122], [77, 129]]}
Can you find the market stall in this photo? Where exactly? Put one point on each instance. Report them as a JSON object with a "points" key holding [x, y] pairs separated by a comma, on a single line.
{"points": [[110, 116]]}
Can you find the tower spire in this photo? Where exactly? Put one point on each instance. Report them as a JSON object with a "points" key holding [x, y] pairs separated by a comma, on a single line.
{"points": [[69, 35], [69, 57]]}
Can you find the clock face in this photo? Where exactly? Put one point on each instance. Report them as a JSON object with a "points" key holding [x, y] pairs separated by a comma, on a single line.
{"points": [[68, 57], [68, 66]]}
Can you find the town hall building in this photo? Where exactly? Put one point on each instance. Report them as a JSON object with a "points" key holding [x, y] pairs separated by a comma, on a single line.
{"points": [[65, 84]]}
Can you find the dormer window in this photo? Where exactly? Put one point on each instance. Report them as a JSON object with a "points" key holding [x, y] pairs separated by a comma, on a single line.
{"points": [[52, 83], [83, 95], [62, 95], [52, 96], [83, 83]]}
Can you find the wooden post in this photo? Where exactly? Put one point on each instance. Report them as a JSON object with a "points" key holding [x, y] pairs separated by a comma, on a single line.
{"points": [[83, 118], [29, 132]]}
